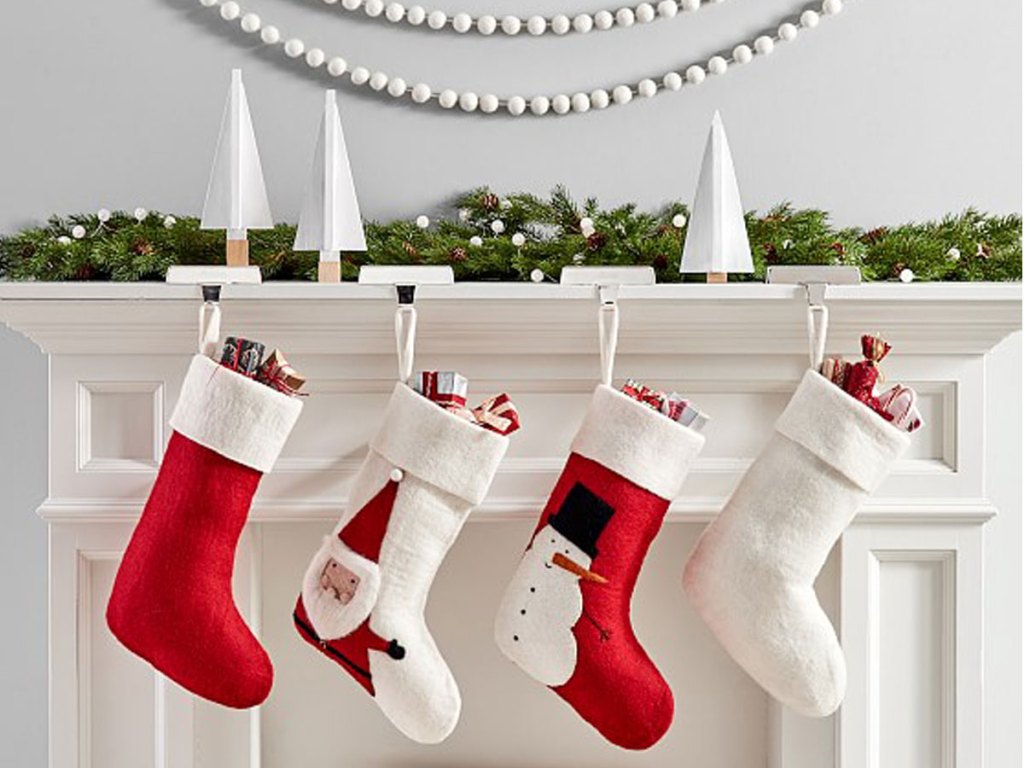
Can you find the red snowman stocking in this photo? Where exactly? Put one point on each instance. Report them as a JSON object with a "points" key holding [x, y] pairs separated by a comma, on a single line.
{"points": [[172, 603], [565, 616]]}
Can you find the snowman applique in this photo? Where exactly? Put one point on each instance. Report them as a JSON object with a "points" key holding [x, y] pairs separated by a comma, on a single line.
{"points": [[543, 602]]}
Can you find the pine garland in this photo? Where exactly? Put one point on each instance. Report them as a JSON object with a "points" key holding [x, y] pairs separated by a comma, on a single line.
{"points": [[970, 246]]}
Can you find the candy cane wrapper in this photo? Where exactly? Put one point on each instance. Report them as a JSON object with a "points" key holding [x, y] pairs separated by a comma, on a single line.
{"points": [[671, 404], [446, 388]]}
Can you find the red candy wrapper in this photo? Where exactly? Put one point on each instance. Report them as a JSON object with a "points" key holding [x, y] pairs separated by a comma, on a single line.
{"points": [[448, 389], [899, 405], [672, 404], [862, 377]]}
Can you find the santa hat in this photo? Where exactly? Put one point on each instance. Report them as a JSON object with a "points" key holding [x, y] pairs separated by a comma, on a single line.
{"points": [[357, 547]]}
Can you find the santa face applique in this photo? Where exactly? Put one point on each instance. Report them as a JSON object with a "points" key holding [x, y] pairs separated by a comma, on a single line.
{"points": [[340, 581], [544, 602]]}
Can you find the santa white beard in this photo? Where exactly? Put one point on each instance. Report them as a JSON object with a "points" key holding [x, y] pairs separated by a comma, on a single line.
{"points": [[541, 605]]}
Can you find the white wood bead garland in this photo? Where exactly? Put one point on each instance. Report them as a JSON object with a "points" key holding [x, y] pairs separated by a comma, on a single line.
{"points": [[557, 24], [490, 104]]}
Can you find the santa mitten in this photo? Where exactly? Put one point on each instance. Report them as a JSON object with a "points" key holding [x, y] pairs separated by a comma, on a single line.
{"points": [[565, 618], [172, 603], [751, 575], [364, 592]]}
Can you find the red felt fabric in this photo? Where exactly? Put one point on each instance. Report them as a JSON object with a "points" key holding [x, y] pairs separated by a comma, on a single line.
{"points": [[615, 687], [172, 602], [363, 534]]}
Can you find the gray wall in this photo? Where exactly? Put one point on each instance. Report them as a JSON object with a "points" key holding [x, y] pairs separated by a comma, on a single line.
{"points": [[891, 111]]}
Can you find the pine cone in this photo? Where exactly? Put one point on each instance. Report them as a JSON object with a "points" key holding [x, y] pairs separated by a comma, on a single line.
{"points": [[143, 247], [839, 248], [490, 201], [596, 241], [872, 236], [458, 254], [771, 253], [984, 251], [660, 262], [898, 267], [410, 249]]}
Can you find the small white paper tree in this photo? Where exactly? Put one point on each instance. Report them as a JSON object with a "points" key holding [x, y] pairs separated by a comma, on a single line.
{"points": [[330, 221], [716, 238], [236, 198]]}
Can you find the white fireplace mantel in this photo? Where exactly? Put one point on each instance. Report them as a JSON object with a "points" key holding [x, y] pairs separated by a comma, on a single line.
{"points": [[908, 587]]}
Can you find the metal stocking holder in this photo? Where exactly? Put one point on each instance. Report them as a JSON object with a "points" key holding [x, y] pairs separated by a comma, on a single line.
{"points": [[211, 280], [607, 281], [815, 280], [406, 280]]}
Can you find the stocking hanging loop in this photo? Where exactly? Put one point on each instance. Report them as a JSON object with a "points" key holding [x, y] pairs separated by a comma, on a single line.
{"points": [[209, 321], [405, 338], [211, 279], [608, 334]]}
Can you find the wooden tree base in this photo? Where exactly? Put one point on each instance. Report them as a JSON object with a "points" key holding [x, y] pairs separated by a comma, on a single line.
{"points": [[718, 277], [237, 252], [329, 272]]}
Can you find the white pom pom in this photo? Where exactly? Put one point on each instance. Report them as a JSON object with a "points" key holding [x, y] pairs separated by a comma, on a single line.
{"points": [[717, 65], [511, 25], [396, 475], [337, 66], [270, 35], [421, 93], [486, 25], [395, 12], [462, 23], [294, 47], [667, 9], [560, 24], [170, 221], [416, 15], [476, 241], [586, 226], [537, 25], [374, 8], [645, 13], [907, 276], [583, 23], [469, 101], [516, 105], [140, 214], [578, 258], [787, 31], [251, 23], [622, 94], [832, 7], [207, 3], [764, 45], [695, 74], [809, 19], [103, 215], [742, 54], [315, 57], [679, 221], [603, 20], [518, 239], [672, 81], [378, 81], [359, 76], [78, 231], [647, 87], [561, 104], [64, 240], [625, 17], [448, 98], [580, 102], [422, 221], [953, 254], [599, 98], [539, 105], [437, 19], [690, 5], [537, 275], [396, 87], [351, 5], [230, 10], [488, 103], [497, 226]]}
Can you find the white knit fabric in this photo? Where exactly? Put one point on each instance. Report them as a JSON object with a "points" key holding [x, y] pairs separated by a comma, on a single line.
{"points": [[447, 464], [751, 574], [637, 442], [235, 416]]}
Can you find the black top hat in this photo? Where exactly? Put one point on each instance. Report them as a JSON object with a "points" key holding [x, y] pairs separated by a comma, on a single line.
{"points": [[582, 518]]}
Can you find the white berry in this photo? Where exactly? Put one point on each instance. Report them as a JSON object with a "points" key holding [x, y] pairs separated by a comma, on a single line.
{"points": [[672, 81], [140, 214], [907, 276], [742, 54], [462, 23], [537, 275], [476, 241], [497, 226], [518, 239], [516, 105], [64, 240], [560, 24], [679, 221], [78, 231], [337, 66], [294, 47], [539, 105], [587, 226], [422, 221], [103, 215], [953, 254]]}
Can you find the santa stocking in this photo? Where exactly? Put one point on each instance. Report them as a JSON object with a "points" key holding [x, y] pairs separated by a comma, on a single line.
{"points": [[751, 575], [565, 616], [365, 590], [172, 603]]}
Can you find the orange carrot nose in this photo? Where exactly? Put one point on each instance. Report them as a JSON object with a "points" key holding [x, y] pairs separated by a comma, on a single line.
{"points": [[573, 567]]}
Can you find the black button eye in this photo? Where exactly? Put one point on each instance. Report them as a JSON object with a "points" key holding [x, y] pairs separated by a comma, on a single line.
{"points": [[552, 541], [351, 581], [516, 638], [522, 612], [533, 589]]}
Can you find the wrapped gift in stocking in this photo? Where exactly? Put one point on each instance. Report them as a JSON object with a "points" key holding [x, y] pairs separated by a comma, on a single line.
{"points": [[172, 602]]}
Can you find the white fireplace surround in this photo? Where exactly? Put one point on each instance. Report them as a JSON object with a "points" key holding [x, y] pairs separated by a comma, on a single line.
{"points": [[923, 588]]}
